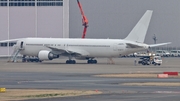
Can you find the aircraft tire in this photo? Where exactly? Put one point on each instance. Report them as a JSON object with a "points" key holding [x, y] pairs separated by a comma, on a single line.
{"points": [[23, 60], [67, 61], [70, 62], [92, 61], [73, 62], [89, 61], [37, 60], [95, 61]]}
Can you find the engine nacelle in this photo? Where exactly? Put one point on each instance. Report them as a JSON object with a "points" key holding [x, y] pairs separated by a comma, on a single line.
{"points": [[47, 55]]}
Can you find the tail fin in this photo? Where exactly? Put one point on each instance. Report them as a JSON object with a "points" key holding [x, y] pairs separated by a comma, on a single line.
{"points": [[138, 33]]}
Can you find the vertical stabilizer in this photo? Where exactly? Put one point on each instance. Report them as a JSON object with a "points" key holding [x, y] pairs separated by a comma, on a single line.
{"points": [[138, 33]]}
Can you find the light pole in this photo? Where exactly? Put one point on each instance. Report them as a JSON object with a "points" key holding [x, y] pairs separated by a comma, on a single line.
{"points": [[8, 27], [155, 39]]}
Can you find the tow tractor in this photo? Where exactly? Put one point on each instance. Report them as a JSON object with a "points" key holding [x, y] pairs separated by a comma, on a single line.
{"points": [[148, 60]]}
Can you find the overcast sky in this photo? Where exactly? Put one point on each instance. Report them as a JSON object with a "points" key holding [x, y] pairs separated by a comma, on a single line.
{"points": [[116, 18]]}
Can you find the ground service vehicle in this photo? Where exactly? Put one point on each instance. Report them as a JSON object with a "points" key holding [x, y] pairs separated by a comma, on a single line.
{"points": [[162, 53], [157, 60], [147, 60], [175, 53]]}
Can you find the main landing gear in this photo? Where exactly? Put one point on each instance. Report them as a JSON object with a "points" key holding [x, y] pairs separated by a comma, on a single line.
{"points": [[70, 62], [74, 62], [92, 61]]}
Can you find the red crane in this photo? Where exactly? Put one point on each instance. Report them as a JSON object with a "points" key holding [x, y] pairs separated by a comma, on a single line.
{"points": [[84, 20]]}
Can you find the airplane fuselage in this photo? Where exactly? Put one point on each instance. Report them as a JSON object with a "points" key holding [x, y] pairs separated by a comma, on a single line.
{"points": [[91, 47]]}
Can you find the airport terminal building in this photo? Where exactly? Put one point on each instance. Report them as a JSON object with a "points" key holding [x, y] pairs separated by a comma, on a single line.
{"points": [[32, 18]]}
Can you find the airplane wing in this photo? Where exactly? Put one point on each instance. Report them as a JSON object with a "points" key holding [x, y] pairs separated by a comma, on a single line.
{"points": [[130, 45], [78, 52], [160, 44], [68, 51]]}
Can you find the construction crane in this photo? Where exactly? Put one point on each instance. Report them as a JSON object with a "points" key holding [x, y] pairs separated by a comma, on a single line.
{"points": [[84, 19], [85, 24]]}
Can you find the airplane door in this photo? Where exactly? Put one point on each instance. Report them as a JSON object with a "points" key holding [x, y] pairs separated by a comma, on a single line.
{"points": [[118, 47], [65, 46], [21, 46]]}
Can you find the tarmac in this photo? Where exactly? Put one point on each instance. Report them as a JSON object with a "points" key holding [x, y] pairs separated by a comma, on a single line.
{"points": [[58, 75]]}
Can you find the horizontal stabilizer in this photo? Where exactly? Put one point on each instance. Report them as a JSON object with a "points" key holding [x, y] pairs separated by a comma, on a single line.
{"points": [[160, 44]]}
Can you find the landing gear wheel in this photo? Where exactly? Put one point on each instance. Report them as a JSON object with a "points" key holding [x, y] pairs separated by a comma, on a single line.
{"points": [[95, 61], [67, 61], [88, 61], [23, 60], [92, 61], [73, 62], [70, 62]]}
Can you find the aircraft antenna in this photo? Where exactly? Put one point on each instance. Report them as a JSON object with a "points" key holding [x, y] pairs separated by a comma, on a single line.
{"points": [[84, 19]]}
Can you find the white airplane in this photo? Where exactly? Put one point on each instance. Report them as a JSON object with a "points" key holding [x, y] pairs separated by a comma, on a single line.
{"points": [[86, 49]]}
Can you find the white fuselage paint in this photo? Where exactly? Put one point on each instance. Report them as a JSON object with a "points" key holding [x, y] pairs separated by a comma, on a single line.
{"points": [[95, 47]]}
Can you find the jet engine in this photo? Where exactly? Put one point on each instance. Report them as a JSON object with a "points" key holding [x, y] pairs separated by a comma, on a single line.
{"points": [[47, 55]]}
